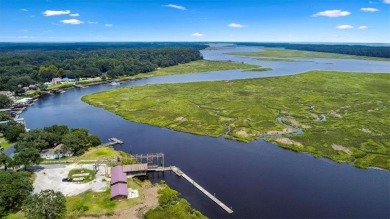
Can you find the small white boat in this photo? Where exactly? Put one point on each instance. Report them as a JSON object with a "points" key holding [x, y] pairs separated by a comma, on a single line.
{"points": [[115, 83]]}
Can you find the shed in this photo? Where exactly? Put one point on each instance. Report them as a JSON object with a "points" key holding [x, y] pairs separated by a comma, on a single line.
{"points": [[119, 191], [117, 175], [135, 169]]}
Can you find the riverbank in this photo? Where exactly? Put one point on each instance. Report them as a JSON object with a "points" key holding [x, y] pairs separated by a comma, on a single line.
{"points": [[244, 110]]}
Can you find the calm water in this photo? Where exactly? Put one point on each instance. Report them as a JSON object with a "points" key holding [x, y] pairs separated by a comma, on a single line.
{"points": [[257, 179]]}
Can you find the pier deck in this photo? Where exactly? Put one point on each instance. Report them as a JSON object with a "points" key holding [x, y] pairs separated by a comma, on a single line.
{"points": [[178, 172]]}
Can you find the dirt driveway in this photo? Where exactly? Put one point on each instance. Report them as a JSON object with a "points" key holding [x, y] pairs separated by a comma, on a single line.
{"points": [[50, 177]]}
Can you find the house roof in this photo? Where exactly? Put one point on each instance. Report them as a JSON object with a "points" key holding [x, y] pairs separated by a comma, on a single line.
{"points": [[117, 175], [135, 167], [53, 150], [119, 189]]}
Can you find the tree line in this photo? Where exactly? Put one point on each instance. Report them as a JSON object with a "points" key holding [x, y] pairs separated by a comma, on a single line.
{"points": [[358, 50], [24, 65]]}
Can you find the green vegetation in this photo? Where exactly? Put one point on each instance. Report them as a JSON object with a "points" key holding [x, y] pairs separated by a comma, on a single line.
{"points": [[4, 143], [356, 50], [278, 54], [355, 106], [14, 189], [195, 67], [258, 69], [47, 204], [85, 174], [279, 59], [172, 206], [21, 67], [99, 203]]}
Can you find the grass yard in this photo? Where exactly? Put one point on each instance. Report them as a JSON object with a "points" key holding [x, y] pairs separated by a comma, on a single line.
{"points": [[86, 174], [356, 107], [4, 142], [99, 204], [276, 54]]}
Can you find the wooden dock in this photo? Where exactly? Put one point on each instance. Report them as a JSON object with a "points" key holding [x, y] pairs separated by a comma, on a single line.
{"points": [[180, 173], [113, 141]]}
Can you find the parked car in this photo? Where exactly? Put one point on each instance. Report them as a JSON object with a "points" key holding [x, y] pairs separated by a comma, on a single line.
{"points": [[67, 180]]}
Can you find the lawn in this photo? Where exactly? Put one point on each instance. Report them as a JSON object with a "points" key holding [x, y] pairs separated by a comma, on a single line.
{"points": [[4, 142], [99, 203], [355, 107], [275, 54]]}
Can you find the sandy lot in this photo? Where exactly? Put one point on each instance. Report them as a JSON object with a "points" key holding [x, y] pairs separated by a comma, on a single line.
{"points": [[50, 177]]}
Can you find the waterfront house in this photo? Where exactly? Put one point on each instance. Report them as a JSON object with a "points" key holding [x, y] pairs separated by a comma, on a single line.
{"points": [[53, 153], [56, 81]]}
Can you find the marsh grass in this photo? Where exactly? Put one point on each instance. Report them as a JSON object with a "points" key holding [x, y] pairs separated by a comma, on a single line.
{"points": [[278, 54], [352, 102]]}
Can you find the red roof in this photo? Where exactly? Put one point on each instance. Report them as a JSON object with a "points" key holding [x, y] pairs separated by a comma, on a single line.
{"points": [[117, 175], [119, 189]]}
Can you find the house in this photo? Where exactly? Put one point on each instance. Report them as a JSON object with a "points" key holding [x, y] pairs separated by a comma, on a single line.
{"points": [[66, 79], [53, 153], [118, 184], [6, 93], [56, 81], [23, 102]]}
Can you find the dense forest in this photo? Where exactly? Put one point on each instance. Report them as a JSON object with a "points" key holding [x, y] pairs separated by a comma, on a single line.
{"points": [[23, 65], [358, 50]]}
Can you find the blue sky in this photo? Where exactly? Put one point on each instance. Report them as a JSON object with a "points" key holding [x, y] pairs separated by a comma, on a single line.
{"points": [[195, 20]]}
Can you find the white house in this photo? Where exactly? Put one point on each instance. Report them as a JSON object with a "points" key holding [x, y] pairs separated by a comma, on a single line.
{"points": [[53, 153]]}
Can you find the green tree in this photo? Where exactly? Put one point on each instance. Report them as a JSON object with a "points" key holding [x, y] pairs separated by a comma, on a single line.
{"points": [[48, 204], [5, 160], [27, 157], [76, 141], [5, 116], [14, 188], [95, 140], [5, 101], [12, 130]]}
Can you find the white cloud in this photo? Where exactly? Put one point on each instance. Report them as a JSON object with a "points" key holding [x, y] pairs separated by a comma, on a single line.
{"points": [[235, 25], [386, 1], [179, 7], [71, 21], [24, 10], [108, 25], [332, 13], [74, 15], [369, 9], [92, 22], [362, 27], [197, 34], [55, 13], [345, 27]]}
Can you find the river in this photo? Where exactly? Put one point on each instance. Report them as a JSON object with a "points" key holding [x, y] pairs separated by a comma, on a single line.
{"points": [[258, 179]]}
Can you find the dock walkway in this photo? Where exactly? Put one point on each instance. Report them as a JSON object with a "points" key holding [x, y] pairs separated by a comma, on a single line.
{"points": [[113, 141], [178, 172]]}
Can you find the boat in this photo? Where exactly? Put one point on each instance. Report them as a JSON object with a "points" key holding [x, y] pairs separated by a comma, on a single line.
{"points": [[114, 83]]}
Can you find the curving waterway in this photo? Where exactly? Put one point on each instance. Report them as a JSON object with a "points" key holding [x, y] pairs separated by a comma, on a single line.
{"points": [[258, 179]]}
